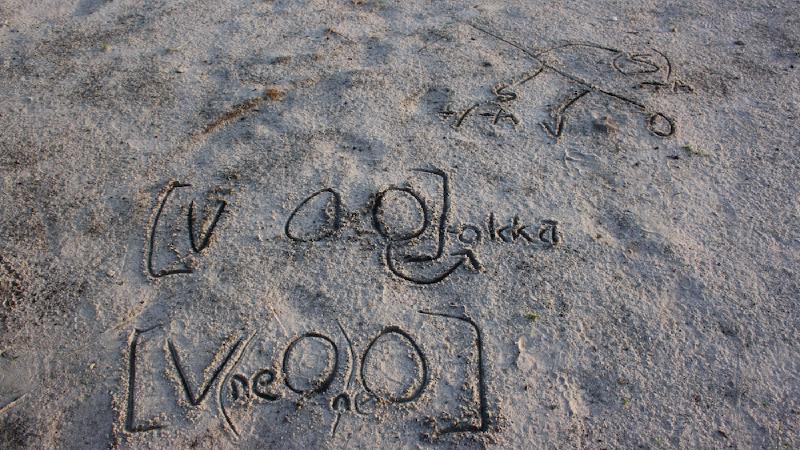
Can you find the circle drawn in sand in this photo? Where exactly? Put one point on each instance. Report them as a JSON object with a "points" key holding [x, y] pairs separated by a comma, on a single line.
{"points": [[397, 370], [310, 364]]}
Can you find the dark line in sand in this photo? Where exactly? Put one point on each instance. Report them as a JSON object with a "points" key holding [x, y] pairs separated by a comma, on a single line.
{"points": [[224, 382], [236, 112], [558, 71], [483, 408]]}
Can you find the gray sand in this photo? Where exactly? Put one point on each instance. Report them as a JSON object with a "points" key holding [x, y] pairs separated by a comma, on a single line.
{"points": [[363, 224]]}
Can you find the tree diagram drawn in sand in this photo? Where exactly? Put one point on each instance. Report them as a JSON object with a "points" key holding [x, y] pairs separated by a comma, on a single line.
{"points": [[591, 70]]}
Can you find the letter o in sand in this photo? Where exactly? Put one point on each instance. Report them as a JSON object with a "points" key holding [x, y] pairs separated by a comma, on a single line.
{"points": [[302, 224], [319, 381], [416, 387], [395, 195], [660, 125]]}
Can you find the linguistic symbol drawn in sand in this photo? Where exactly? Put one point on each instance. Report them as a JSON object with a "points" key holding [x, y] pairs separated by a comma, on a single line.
{"points": [[333, 224], [558, 60], [441, 260], [130, 419], [264, 385], [199, 237], [395, 262], [424, 254]]}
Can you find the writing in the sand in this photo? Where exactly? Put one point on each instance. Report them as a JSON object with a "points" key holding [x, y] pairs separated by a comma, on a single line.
{"points": [[591, 70], [421, 242], [344, 380]]}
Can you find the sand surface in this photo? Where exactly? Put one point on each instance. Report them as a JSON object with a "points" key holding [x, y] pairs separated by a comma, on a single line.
{"points": [[383, 224]]}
